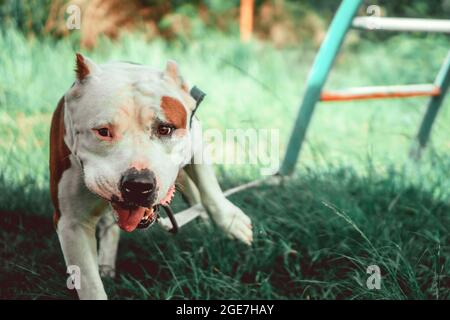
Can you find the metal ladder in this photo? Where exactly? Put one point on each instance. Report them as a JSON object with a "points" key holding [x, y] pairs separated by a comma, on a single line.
{"points": [[342, 21], [317, 76]]}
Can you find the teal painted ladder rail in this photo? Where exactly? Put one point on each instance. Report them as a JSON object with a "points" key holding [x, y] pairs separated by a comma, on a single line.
{"points": [[323, 62]]}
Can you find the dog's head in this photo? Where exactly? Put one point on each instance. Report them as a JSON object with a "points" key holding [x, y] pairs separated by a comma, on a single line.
{"points": [[128, 126]]}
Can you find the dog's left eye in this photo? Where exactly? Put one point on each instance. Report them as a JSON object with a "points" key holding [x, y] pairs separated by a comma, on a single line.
{"points": [[103, 133], [165, 129]]}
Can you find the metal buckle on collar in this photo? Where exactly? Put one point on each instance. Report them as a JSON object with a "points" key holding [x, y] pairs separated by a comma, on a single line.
{"points": [[198, 96]]}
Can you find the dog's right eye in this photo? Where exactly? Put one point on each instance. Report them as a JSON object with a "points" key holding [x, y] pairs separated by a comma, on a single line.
{"points": [[165, 129], [104, 133]]}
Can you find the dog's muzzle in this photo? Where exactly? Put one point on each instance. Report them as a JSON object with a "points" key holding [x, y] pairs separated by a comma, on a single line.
{"points": [[137, 208], [138, 188]]}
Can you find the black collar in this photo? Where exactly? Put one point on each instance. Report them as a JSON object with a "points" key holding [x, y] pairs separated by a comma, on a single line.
{"points": [[198, 96]]}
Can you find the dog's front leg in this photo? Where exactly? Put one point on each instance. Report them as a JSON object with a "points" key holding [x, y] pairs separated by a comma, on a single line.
{"points": [[225, 214], [79, 248], [80, 212], [108, 238]]}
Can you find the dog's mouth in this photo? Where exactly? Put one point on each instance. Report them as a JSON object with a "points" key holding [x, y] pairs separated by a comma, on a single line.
{"points": [[131, 217]]}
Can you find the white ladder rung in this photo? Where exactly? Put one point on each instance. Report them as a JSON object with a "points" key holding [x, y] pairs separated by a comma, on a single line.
{"points": [[402, 24]]}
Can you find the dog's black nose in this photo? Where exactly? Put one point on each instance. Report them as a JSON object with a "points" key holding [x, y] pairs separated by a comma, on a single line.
{"points": [[138, 187]]}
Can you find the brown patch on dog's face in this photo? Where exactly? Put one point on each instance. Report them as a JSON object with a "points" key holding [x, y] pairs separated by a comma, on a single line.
{"points": [[174, 111]]}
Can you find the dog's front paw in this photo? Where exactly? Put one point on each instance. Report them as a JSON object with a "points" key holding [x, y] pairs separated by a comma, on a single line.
{"points": [[107, 271], [235, 223]]}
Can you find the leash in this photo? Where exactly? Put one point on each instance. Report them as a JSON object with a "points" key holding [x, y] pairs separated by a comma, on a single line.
{"points": [[172, 219]]}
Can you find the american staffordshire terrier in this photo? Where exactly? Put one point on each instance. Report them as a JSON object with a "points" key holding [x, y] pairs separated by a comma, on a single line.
{"points": [[121, 137]]}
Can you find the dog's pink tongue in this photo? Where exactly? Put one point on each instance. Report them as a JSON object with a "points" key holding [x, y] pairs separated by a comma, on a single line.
{"points": [[129, 219]]}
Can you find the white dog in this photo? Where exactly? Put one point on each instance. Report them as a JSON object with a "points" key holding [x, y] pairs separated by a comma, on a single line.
{"points": [[120, 138]]}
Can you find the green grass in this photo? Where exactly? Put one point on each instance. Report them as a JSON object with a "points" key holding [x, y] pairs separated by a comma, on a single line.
{"points": [[355, 200]]}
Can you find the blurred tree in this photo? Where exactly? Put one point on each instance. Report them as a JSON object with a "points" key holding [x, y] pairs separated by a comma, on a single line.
{"points": [[283, 22], [26, 15]]}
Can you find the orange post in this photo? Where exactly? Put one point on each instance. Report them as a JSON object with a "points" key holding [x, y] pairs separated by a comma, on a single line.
{"points": [[246, 19]]}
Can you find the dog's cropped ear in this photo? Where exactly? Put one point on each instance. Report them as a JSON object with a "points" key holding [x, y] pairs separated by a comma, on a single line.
{"points": [[84, 67], [192, 102], [173, 72]]}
